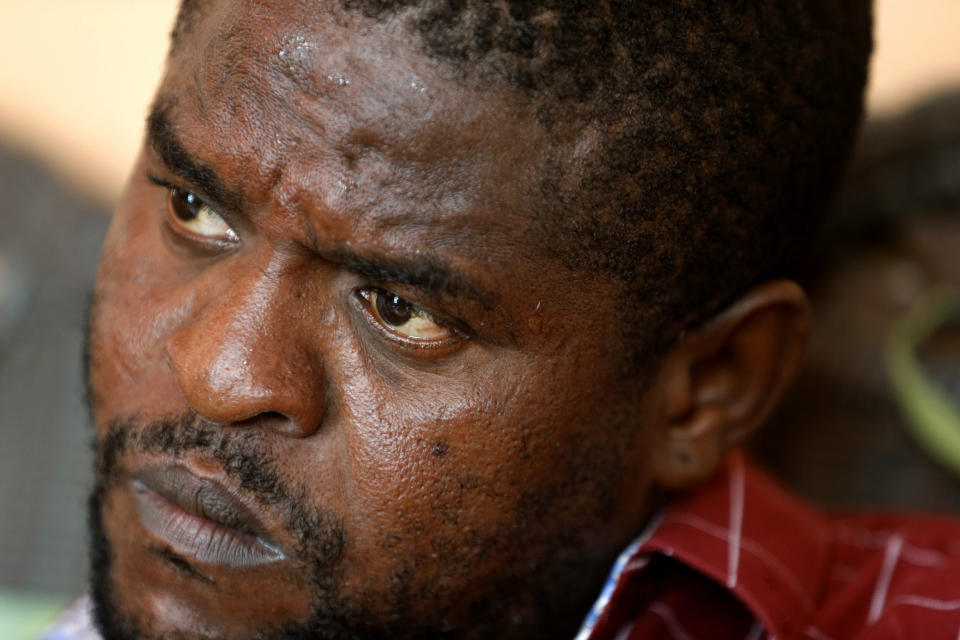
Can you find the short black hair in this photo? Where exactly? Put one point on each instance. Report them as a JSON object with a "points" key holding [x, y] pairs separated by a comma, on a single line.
{"points": [[721, 128]]}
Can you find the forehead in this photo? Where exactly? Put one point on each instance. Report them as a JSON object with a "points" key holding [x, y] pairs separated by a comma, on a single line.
{"points": [[316, 115]]}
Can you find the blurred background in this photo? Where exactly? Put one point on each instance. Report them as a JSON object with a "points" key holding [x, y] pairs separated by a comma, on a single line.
{"points": [[75, 80]]}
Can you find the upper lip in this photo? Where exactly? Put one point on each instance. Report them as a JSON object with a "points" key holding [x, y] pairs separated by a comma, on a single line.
{"points": [[203, 498]]}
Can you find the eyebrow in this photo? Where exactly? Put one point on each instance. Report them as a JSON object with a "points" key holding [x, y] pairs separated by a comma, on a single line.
{"points": [[163, 139], [423, 272]]}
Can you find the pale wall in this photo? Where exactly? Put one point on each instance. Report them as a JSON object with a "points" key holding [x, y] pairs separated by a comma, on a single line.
{"points": [[76, 75]]}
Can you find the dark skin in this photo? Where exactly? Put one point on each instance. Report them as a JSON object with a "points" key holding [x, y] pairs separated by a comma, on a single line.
{"points": [[362, 301]]}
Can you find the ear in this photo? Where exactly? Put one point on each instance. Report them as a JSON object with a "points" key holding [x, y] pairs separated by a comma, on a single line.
{"points": [[719, 382]]}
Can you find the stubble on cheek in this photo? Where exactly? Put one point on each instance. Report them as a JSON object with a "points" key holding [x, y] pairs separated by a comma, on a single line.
{"points": [[511, 541]]}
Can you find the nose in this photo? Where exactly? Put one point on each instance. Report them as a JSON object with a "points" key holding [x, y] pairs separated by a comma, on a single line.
{"points": [[238, 359]]}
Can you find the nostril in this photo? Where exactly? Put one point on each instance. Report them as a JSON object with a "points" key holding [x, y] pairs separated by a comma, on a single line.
{"points": [[273, 421], [267, 419]]}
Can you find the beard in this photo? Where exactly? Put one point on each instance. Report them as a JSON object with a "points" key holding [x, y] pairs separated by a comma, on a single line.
{"points": [[320, 540], [319, 536]]}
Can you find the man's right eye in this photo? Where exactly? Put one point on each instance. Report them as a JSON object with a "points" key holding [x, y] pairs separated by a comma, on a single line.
{"points": [[191, 216]]}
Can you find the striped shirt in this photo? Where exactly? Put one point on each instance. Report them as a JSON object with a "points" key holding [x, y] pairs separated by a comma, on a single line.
{"points": [[742, 559]]}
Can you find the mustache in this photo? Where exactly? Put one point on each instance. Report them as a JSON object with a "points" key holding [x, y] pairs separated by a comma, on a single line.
{"points": [[241, 453], [243, 457]]}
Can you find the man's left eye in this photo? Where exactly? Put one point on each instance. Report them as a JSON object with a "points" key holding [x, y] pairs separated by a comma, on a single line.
{"points": [[403, 318], [190, 215]]}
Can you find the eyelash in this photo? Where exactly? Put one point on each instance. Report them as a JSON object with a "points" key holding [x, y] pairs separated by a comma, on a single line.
{"points": [[160, 182]]}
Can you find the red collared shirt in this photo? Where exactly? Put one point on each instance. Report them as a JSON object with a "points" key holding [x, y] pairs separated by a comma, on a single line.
{"points": [[740, 558]]}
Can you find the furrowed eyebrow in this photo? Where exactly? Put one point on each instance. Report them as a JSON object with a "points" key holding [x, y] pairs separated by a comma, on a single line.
{"points": [[164, 141], [424, 273]]}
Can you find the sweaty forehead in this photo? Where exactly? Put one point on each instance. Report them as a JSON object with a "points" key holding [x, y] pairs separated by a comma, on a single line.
{"points": [[305, 108]]}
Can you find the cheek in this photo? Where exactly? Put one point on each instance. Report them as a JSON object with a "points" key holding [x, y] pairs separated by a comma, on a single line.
{"points": [[450, 479], [138, 302]]}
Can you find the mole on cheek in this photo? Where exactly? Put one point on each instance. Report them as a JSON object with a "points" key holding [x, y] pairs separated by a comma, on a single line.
{"points": [[439, 449]]}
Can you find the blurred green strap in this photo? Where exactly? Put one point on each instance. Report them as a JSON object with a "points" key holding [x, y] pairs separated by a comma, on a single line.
{"points": [[932, 415]]}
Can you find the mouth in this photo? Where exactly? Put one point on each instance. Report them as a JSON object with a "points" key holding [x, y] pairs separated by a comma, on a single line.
{"points": [[199, 519]]}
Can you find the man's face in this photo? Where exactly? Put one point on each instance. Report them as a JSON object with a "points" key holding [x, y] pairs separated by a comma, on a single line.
{"points": [[343, 386]]}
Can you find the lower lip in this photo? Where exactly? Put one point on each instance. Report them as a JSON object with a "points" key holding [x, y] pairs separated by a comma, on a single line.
{"points": [[206, 541]]}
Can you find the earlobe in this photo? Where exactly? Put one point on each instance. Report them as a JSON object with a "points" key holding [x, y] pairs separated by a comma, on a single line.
{"points": [[722, 380], [691, 450]]}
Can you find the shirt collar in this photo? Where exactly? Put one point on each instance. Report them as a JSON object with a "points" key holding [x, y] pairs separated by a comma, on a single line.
{"points": [[743, 531]]}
